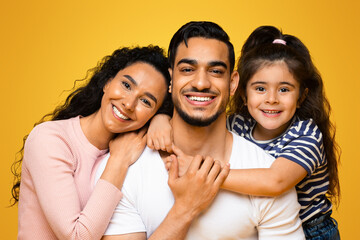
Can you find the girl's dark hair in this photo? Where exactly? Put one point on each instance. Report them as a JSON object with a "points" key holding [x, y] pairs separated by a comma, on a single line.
{"points": [[86, 100], [260, 51]]}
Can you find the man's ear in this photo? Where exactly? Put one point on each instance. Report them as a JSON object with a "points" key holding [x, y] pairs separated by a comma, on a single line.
{"points": [[170, 86], [303, 97], [234, 82]]}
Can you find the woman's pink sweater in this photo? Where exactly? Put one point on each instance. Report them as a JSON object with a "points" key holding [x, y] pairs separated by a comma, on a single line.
{"points": [[57, 196]]}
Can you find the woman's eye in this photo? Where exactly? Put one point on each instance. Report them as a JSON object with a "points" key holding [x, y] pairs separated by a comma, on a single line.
{"points": [[260, 89], [126, 85], [147, 102]]}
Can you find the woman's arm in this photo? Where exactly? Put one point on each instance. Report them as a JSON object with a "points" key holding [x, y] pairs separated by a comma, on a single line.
{"points": [[51, 164]]}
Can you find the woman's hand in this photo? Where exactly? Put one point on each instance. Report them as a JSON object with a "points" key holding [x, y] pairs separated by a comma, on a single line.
{"points": [[160, 134], [125, 149], [197, 188]]}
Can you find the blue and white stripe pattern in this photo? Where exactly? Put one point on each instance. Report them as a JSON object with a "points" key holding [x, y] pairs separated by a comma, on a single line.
{"points": [[302, 143]]}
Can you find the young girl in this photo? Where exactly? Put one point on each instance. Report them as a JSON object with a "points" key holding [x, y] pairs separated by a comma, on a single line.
{"points": [[280, 105]]}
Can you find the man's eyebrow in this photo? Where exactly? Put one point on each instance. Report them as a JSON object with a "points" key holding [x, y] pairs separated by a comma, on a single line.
{"points": [[187, 60], [217, 63], [136, 84], [131, 79]]}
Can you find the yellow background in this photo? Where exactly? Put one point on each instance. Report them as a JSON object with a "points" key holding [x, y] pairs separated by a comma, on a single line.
{"points": [[46, 45]]}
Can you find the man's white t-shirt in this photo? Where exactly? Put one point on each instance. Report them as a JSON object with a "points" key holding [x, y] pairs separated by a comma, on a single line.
{"points": [[147, 200]]}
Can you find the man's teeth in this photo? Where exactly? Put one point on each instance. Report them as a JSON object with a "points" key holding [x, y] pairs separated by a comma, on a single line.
{"points": [[117, 112], [199, 99], [270, 112]]}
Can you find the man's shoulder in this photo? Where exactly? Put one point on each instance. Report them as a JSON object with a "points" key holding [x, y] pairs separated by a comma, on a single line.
{"points": [[246, 154]]}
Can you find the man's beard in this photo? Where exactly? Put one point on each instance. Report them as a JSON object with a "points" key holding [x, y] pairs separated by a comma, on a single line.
{"points": [[198, 121]]}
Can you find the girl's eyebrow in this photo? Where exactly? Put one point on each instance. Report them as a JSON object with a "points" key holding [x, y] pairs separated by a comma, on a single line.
{"points": [[287, 83], [281, 83], [257, 82]]}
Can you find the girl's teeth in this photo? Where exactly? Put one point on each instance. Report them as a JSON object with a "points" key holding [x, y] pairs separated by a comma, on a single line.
{"points": [[117, 112], [271, 112], [199, 99]]}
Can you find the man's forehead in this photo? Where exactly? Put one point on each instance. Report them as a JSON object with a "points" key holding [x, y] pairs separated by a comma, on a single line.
{"points": [[202, 50]]}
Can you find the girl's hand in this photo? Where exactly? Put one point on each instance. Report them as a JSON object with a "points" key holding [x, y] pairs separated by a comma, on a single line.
{"points": [[127, 147], [160, 134], [194, 191]]}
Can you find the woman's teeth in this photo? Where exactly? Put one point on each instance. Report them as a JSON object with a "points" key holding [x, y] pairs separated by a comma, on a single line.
{"points": [[117, 112]]}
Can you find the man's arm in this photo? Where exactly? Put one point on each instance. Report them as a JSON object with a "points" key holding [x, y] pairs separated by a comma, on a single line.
{"points": [[193, 193]]}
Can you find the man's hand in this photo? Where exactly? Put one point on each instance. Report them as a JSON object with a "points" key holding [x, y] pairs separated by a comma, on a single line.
{"points": [[197, 188]]}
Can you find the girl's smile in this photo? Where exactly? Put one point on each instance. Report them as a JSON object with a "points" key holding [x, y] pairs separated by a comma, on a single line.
{"points": [[272, 96]]}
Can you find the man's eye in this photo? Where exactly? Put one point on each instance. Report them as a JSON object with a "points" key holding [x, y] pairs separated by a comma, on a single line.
{"points": [[217, 71], [126, 85], [186, 70]]}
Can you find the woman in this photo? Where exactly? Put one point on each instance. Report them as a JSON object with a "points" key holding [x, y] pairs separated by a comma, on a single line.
{"points": [[56, 200]]}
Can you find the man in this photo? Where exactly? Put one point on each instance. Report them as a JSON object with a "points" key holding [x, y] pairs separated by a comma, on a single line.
{"points": [[202, 62]]}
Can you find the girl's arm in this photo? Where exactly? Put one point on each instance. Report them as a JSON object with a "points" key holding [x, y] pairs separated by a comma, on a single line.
{"points": [[160, 135], [279, 178]]}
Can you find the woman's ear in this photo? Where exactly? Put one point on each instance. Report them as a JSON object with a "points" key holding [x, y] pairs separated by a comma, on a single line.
{"points": [[303, 97], [106, 86], [234, 82]]}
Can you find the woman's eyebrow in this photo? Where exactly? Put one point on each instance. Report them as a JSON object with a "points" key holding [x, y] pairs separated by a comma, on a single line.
{"points": [[136, 84], [131, 79]]}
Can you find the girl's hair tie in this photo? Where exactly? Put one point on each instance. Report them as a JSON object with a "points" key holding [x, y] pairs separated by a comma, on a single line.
{"points": [[279, 41]]}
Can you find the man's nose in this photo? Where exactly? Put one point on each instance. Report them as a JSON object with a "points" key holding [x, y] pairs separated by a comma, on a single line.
{"points": [[201, 80]]}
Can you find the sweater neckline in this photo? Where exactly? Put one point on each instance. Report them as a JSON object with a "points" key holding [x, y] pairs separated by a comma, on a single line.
{"points": [[83, 139]]}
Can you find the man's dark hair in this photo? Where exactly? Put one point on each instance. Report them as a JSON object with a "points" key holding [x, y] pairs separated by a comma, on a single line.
{"points": [[202, 29]]}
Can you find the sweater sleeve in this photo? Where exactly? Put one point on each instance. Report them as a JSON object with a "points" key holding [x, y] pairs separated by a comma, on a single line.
{"points": [[51, 165]]}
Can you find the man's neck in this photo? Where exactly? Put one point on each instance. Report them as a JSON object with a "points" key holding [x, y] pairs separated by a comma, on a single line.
{"points": [[213, 140]]}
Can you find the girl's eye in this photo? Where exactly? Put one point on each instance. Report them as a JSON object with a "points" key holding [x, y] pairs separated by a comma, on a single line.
{"points": [[284, 90], [126, 85], [260, 89], [147, 102]]}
